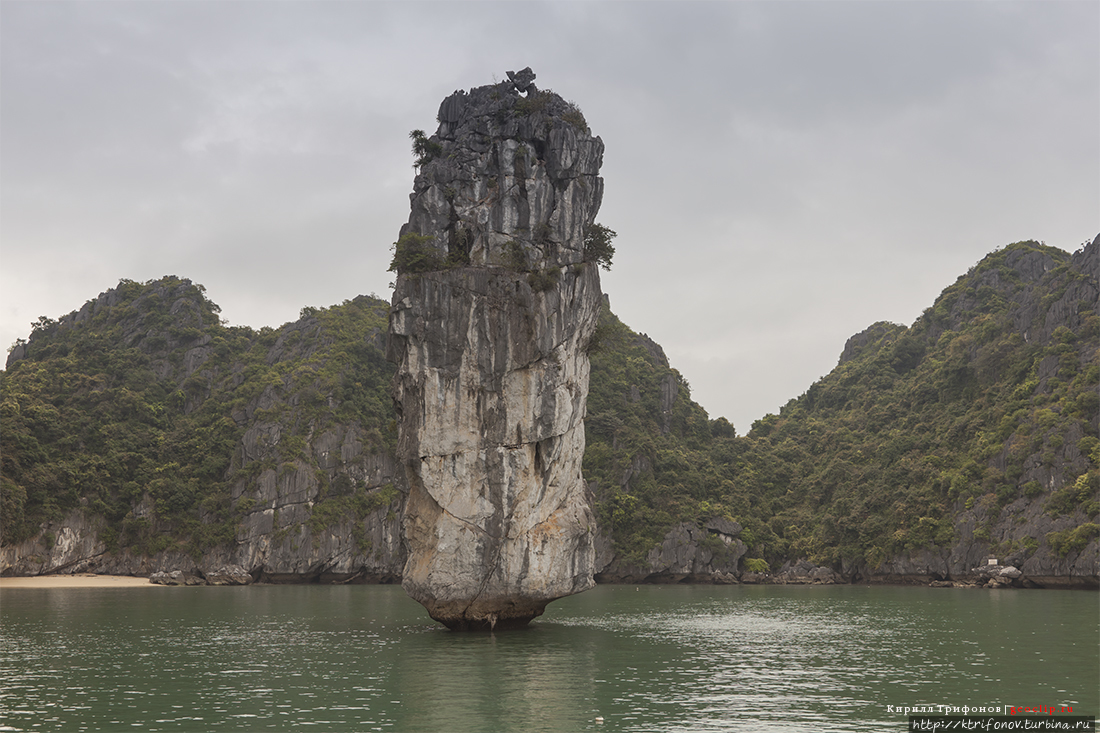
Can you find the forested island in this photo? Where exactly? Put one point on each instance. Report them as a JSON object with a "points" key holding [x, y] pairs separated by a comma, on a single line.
{"points": [[142, 434]]}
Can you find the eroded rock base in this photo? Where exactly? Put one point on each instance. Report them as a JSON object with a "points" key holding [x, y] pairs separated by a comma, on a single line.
{"points": [[503, 620]]}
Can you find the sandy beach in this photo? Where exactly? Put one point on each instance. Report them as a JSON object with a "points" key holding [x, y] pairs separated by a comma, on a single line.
{"points": [[80, 580]]}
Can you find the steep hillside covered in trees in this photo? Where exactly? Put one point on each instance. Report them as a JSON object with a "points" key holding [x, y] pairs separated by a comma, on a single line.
{"points": [[973, 432], [140, 433]]}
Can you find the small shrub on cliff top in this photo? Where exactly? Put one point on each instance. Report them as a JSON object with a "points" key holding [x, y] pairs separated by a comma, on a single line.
{"points": [[598, 247], [423, 148], [575, 117], [534, 102], [414, 253]]}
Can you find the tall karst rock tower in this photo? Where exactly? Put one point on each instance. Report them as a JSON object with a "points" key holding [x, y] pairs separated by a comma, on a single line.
{"points": [[496, 301]]}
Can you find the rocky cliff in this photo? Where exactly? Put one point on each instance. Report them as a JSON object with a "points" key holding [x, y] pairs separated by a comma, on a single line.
{"points": [[1024, 327], [142, 435], [490, 343], [970, 436]]}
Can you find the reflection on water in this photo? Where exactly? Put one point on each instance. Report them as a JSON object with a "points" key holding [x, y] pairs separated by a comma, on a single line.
{"points": [[653, 658], [457, 682]]}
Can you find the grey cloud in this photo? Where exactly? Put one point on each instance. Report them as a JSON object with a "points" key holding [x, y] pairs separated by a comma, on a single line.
{"points": [[780, 174]]}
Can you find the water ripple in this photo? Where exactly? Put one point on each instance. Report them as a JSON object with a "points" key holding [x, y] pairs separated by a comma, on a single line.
{"points": [[653, 659]]}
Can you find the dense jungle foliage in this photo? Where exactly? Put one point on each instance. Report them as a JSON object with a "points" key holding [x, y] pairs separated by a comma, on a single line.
{"points": [[983, 401], [135, 407]]}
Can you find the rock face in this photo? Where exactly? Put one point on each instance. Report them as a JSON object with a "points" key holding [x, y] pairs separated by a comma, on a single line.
{"points": [[306, 496], [491, 353], [689, 553]]}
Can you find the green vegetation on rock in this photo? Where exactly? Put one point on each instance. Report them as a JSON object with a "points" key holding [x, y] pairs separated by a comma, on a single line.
{"points": [[976, 427], [986, 404], [598, 247], [135, 409]]}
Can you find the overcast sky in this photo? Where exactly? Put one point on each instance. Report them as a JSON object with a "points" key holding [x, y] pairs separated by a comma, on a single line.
{"points": [[781, 174]]}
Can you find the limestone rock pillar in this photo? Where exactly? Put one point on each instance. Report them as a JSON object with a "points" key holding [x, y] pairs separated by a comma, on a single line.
{"points": [[489, 329]]}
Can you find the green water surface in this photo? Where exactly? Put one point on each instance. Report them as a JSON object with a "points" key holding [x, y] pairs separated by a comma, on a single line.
{"points": [[648, 658]]}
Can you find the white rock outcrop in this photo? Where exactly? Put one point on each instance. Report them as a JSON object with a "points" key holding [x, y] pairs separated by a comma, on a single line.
{"points": [[492, 364]]}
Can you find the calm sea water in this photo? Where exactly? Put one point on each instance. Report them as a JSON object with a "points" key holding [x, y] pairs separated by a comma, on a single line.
{"points": [[649, 658]]}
